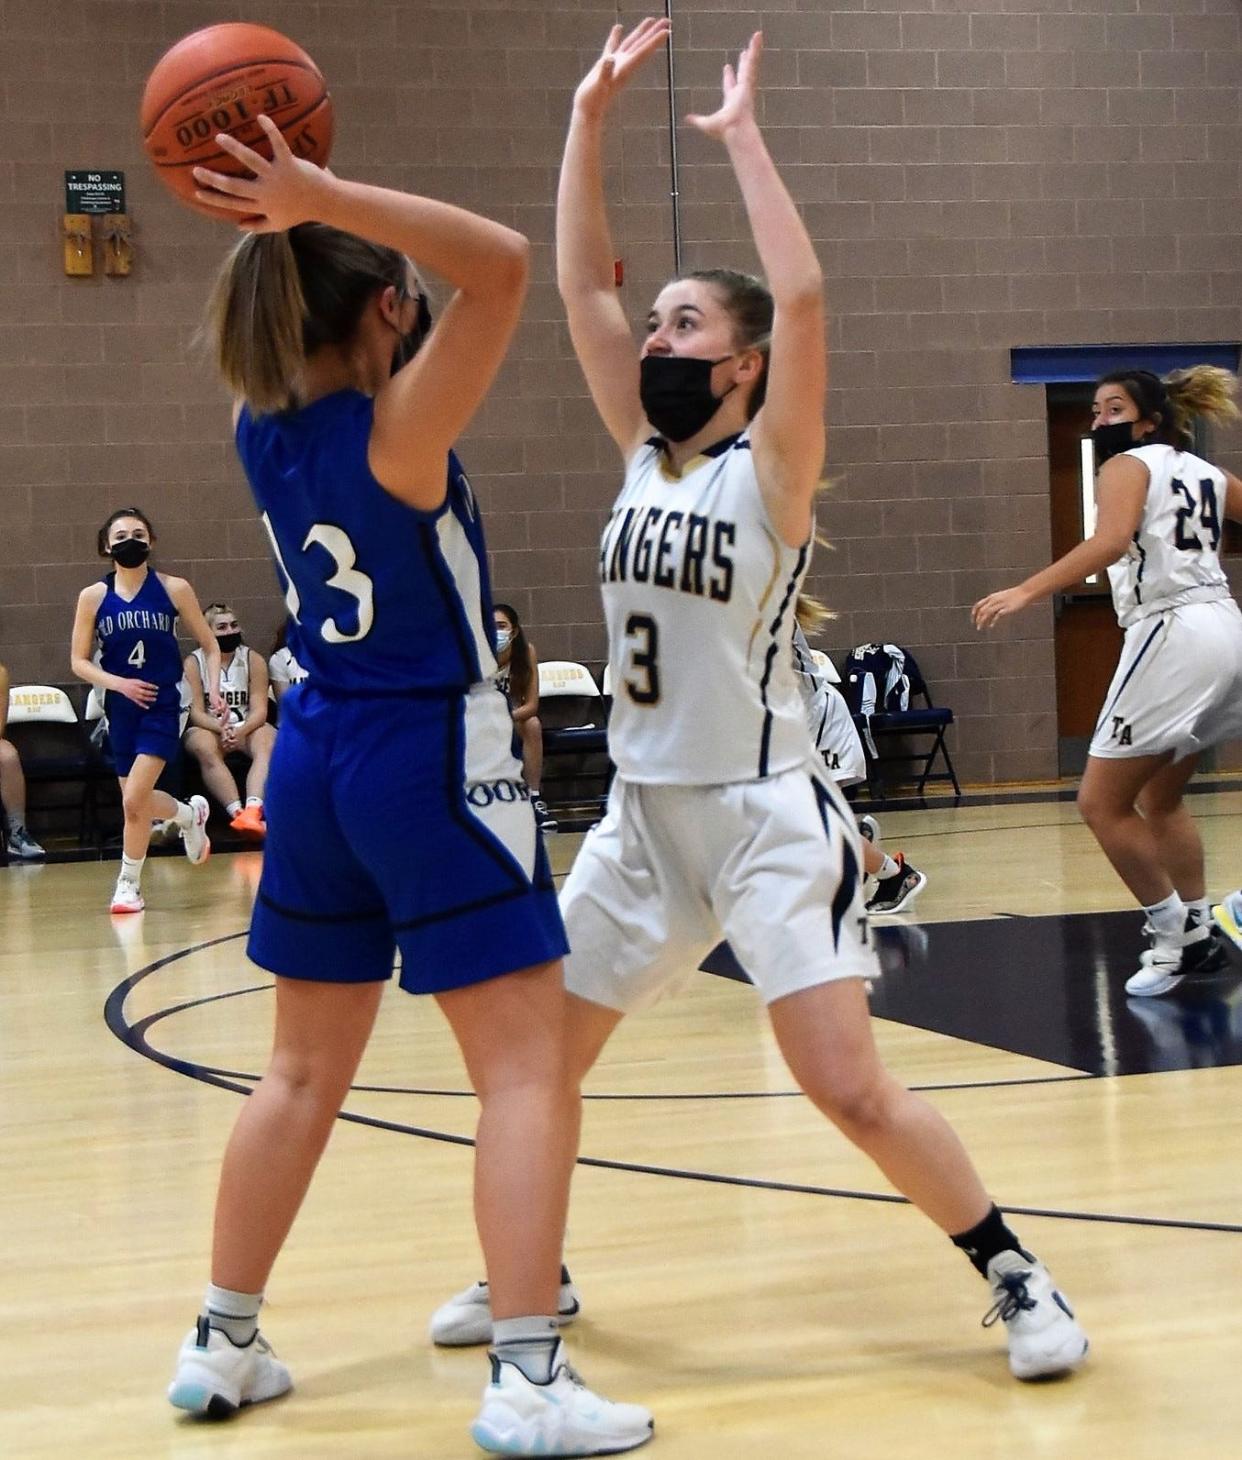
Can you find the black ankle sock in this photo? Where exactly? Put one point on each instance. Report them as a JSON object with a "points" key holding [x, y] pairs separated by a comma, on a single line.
{"points": [[985, 1239]]}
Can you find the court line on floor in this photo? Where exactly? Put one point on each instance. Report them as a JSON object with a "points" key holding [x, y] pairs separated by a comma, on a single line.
{"points": [[195, 1067], [133, 1036]]}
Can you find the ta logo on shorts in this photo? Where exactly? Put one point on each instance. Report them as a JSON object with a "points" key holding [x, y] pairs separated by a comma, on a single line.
{"points": [[482, 793], [1121, 731]]}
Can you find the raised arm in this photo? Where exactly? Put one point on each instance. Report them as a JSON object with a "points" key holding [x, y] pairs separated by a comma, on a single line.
{"points": [[4, 699], [584, 251], [1121, 491], [423, 409], [788, 433]]}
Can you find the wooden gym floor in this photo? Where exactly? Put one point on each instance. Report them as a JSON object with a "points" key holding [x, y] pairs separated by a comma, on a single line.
{"points": [[741, 1271]]}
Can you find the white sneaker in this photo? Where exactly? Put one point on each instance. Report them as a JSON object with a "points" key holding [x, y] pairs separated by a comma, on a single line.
{"points": [[869, 829], [467, 1318], [1044, 1337], [126, 898], [22, 845], [215, 1377], [561, 1417], [1159, 966], [194, 837]]}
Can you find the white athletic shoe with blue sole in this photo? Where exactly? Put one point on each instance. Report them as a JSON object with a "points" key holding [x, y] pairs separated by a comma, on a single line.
{"points": [[561, 1417], [215, 1377]]}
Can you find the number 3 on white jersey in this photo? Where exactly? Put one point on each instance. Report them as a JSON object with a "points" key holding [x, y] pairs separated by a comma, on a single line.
{"points": [[346, 578]]}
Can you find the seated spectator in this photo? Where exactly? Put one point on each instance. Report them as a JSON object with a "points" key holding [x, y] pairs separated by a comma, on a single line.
{"points": [[244, 728], [13, 788], [518, 676], [283, 669]]}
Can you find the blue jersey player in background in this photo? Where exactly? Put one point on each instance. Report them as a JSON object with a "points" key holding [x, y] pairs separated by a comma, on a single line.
{"points": [[399, 818], [131, 617]]}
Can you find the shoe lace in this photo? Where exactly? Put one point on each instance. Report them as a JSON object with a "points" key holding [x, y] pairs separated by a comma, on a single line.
{"points": [[1016, 1299]]}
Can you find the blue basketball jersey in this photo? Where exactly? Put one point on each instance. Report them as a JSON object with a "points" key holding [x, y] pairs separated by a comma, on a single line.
{"points": [[137, 636], [381, 597]]}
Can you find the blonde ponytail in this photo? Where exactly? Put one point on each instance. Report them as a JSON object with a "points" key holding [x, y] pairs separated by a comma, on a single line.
{"points": [[254, 321], [1203, 392]]}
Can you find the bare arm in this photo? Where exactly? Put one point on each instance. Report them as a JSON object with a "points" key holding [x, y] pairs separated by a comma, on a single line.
{"points": [[422, 410], [788, 434], [530, 704], [1233, 497], [4, 699], [584, 250], [185, 601], [200, 716], [83, 642], [1121, 490], [258, 683]]}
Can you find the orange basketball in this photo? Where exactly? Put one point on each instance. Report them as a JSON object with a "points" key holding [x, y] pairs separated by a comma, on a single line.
{"points": [[221, 79]]}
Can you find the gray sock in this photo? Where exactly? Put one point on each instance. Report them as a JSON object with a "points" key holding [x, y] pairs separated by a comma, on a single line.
{"points": [[529, 1343], [234, 1314]]}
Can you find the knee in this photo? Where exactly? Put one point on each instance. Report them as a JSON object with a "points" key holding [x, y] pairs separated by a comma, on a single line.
{"points": [[8, 754], [857, 1105], [135, 804], [1094, 807]]}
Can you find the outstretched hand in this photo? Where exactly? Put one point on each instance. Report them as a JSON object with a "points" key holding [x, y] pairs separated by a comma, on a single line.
{"points": [[281, 194], [738, 88], [621, 57], [989, 611]]}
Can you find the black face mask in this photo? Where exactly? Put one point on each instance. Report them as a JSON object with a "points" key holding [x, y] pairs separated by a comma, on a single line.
{"points": [[130, 552], [408, 345], [676, 393], [228, 642], [1112, 440]]}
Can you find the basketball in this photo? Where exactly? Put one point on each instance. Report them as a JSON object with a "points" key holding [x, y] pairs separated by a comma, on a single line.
{"points": [[221, 79]]}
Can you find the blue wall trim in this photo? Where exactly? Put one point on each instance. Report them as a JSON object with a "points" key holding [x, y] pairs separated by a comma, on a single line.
{"points": [[1052, 364]]}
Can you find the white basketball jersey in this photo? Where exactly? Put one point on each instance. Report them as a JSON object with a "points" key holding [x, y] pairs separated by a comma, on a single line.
{"points": [[234, 680], [1173, 558], [699, 597], [283, 668]]}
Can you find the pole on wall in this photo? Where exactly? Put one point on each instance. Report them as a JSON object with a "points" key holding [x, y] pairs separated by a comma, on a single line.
{"points": [[674, 191]]}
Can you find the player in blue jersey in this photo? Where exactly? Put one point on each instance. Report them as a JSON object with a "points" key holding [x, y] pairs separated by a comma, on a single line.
{"points": [[130, 616], [398, 815]]}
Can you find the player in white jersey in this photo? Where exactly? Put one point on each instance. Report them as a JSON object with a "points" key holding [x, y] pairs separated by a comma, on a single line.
{"points": [[721, 819], [244, 728], [893, 883], [1178, 685], [283, 670]]}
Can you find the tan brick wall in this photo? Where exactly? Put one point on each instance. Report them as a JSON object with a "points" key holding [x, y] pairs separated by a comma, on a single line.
{"points": [[976, 176]]}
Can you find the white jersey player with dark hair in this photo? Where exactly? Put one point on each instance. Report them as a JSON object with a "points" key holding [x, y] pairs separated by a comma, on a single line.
{"points": [[1177, 689], [721, 819]]}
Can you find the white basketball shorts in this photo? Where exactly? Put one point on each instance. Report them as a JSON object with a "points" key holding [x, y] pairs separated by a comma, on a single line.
{"points": [[840, 744], [1178, 685], [774, 866]]}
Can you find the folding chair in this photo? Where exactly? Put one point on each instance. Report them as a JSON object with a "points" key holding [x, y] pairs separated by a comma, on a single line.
{"points": [[881, 731], [574, 719], [55, 749]]}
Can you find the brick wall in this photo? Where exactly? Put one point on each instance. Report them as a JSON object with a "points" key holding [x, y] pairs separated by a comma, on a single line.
{"points": [[976, 176]]}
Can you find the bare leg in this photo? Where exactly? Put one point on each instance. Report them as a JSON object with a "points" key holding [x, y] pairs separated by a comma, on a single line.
{"points": [[1106, 799], [141, 803], [825, 1035], [12, 781], [259, 746], [1177, 837], [205, 748], [321, 1032], [531, 732], [512, 1032]]}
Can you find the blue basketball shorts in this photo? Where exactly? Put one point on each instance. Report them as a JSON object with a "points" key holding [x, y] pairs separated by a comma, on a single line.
{"points": [[133, 731], [401, 824]]}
